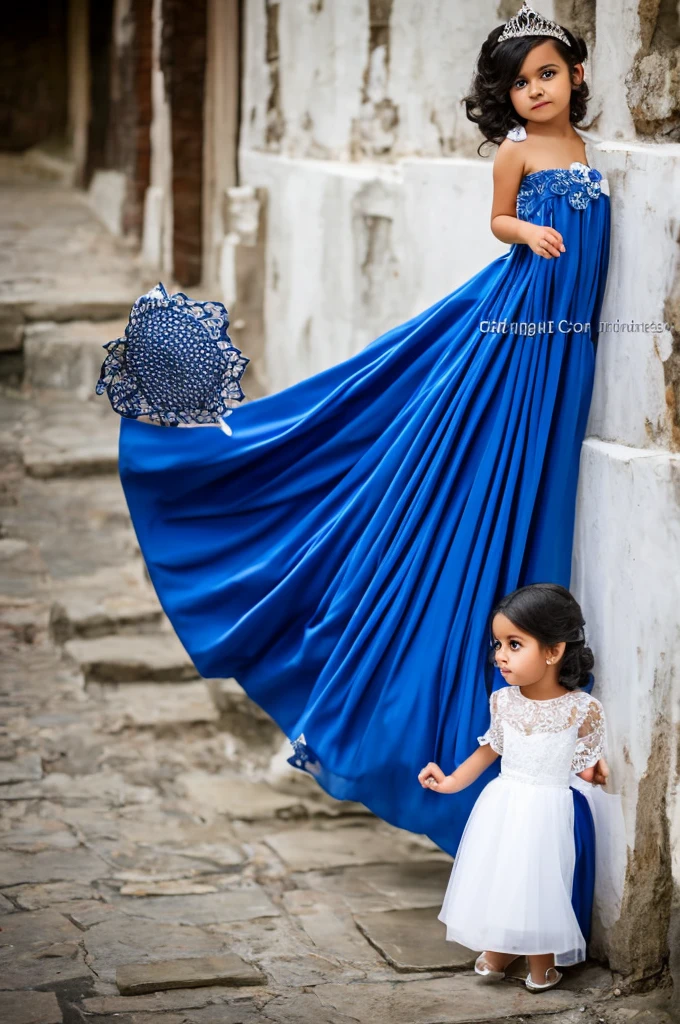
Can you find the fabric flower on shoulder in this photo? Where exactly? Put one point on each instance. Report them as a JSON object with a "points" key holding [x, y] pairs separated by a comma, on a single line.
{"points": [[175, 364]]}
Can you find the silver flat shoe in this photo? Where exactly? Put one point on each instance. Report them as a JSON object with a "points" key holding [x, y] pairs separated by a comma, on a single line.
{"points": [[484, 970], [533, 987]]}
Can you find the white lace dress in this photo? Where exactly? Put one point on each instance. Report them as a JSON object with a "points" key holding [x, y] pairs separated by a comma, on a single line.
{"points": [[510, 886]]}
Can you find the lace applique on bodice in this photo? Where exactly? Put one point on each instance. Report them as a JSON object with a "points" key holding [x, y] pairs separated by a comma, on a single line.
{"points": [[544, 741], [578, 182]]}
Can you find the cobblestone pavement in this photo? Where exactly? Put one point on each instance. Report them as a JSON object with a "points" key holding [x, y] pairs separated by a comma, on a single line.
{"points": [[160, 863]]}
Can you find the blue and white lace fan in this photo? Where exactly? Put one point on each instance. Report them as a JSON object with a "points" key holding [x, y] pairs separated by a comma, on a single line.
{"points": [[175, 364]]}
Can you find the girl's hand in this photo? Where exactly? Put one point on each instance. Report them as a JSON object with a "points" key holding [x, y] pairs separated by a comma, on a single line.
{"points": [[600, 773], [432, 777], [544, 241], [597, 773]]}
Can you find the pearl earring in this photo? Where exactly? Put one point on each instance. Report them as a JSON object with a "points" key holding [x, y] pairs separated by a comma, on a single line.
{"points": [[548, 661]]}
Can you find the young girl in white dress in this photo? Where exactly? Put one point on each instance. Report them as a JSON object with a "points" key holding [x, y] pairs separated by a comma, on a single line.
{"points": [[510, 888]]}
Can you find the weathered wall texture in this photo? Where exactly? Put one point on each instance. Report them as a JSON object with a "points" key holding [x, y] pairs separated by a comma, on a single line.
{"points": [[627, 549]]}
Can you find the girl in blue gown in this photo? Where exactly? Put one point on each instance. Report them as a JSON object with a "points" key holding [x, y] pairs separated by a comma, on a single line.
{"points": [[338, 549]]}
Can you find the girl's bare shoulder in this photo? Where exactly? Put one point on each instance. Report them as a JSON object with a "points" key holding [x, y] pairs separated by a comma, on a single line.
{"points": [[509, 161]]}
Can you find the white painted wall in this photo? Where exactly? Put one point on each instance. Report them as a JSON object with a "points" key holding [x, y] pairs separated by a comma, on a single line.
{"points": [[434, 45], [320, 307], [324, 100], [158, 219], [629, 397]]}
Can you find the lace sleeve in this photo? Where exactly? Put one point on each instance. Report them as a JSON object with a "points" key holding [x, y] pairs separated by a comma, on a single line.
{"points": [[494, 734], [591, 738]]}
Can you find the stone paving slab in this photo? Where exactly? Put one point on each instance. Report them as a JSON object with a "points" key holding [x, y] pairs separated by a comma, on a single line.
{"points": [[41, 928], [133, 863], [33, 834], [413, 940], [459, 999], [194, 972], [244, 903], [206, 1015], [63, 895], [171, 999], [50, 866], [332, 930], [29, 1008], [236, 796], [24, 971], [373, 887], [284, 950], [166, 833], [308, 849], [122, 940], [307, 1008]]}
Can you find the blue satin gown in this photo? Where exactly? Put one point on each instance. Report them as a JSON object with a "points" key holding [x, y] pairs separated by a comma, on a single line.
{"points": [[340, 553]]}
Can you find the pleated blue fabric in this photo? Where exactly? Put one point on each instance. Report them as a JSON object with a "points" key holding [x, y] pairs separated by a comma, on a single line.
{"points": [[340, 553]]}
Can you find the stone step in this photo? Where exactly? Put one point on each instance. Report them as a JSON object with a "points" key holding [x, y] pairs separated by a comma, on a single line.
{"points": [[134, 658], [158, 705], [111, 600], [68, 437], [67, 355], [78, 461]]}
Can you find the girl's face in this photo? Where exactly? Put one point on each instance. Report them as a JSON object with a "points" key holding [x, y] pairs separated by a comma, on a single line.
{"points": [[542, 89], [519, 656]]}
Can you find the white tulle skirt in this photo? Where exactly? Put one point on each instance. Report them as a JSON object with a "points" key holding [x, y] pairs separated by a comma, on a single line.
{"points": [[510, 886]]}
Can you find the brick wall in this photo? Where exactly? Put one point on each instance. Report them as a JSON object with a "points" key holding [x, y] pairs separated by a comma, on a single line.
{"points": [[33, 83], [183, 58], [129, 143]]}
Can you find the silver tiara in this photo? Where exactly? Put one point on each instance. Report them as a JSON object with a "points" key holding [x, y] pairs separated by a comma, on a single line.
{"points": [[529, 23]]}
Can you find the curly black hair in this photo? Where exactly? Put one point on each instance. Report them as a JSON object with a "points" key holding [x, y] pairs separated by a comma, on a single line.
{"points": [[488, 103], [551, 614]]}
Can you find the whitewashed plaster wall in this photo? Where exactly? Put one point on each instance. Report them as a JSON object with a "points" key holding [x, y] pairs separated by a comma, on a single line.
{"points": [[332, 80], [433, 48], [626, 563], [157, 228], [354, 249]]}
